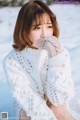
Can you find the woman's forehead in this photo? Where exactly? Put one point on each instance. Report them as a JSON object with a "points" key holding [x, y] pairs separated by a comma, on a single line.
{"points": [[42, 19]]}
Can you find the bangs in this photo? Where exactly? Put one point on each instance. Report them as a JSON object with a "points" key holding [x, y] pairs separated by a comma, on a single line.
{"points": [[41, 17]]}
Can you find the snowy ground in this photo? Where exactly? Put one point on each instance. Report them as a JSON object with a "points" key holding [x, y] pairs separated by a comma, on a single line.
{"points": [[68, 17]]}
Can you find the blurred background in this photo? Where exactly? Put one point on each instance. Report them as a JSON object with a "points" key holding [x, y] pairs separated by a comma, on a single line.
{"points": [[21, 2], [68, 17]]}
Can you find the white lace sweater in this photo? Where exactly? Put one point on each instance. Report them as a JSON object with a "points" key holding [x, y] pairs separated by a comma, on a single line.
{"points": [[31, 74]]}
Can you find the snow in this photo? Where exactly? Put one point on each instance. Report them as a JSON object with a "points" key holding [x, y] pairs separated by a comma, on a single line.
{"points": [[68, 17]]}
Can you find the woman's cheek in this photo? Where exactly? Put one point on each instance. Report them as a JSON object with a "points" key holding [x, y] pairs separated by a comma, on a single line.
{"points": [[37, 36]]}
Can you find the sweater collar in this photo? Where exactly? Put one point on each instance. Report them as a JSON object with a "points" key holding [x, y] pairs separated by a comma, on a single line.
{"points": [[32, 52]]}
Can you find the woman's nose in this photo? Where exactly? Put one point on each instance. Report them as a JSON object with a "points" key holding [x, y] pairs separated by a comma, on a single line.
{"points": [[44, 33]]}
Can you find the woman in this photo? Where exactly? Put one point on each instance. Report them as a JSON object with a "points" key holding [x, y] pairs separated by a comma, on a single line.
{"points": [[38, 68]]}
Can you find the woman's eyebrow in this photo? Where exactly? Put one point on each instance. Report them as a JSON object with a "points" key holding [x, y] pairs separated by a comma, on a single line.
{"points": [[48, 23], [40, 24], [36, 25]]}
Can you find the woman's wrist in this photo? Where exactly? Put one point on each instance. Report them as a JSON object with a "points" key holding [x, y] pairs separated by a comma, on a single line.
{"points": [[61, 112]]}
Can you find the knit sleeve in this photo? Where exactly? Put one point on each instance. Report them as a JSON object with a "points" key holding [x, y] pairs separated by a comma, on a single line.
{"points": [[24, 93], [59, 85]]}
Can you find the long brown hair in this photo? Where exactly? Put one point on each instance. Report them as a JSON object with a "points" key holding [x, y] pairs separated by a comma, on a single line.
{"points": [[28, 13]]}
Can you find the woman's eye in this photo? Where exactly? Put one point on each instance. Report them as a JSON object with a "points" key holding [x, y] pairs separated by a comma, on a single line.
{"points": [[50, 26], [36, 28]]}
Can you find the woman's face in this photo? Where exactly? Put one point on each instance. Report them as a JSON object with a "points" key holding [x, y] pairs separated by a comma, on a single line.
{"points": [[41, 30]]}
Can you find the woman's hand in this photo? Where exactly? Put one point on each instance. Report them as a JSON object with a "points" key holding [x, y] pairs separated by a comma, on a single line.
{"points": [[51, 44], [61, 112], [23, 116]]}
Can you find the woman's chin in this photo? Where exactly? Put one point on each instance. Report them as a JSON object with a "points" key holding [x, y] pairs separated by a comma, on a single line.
{"points": [[35, 45]]}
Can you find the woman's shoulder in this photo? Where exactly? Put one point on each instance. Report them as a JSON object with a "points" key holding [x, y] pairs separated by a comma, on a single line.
{"points": [[11, 57]]}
